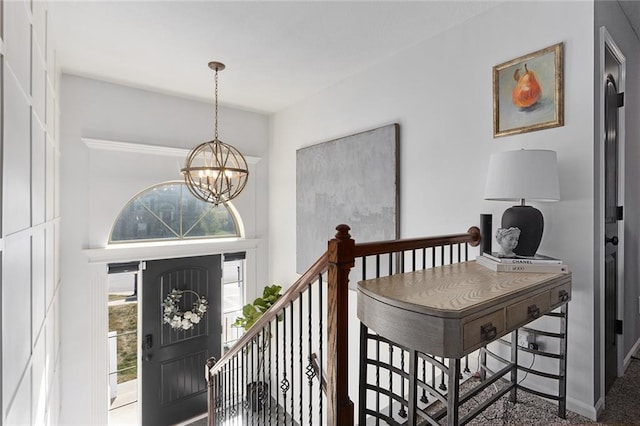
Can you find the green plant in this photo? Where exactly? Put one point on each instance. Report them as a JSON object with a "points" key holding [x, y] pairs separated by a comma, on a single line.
{"points": [[252, 311], [258, 391]]}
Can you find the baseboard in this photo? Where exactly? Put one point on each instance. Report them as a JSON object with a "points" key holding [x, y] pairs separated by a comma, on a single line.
{"points": [[633, 351], [583, 409], [599, 407]]}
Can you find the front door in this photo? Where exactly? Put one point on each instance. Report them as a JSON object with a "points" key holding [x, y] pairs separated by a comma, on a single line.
{"points": [[611, 216], [173, 359]]}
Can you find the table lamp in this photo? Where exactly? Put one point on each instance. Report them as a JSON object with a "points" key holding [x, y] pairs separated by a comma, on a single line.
{"points": [[526, 174]]}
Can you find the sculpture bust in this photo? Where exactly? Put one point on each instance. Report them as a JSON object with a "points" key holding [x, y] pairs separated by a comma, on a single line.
{"points": [[508, 240]]}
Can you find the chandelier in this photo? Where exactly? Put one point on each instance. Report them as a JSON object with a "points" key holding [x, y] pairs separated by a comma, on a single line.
{"points": [[215, 171]]}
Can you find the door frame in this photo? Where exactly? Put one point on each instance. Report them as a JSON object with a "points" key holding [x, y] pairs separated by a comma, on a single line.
{"points": [[97, 280], [607, 42]]}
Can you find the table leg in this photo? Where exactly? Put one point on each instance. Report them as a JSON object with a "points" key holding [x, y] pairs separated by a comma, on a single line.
{"points": [[413, 387], [514, 361], [483, 363], [453, 397], [562, 383]]}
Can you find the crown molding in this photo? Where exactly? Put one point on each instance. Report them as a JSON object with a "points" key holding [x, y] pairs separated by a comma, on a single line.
{"points": [[139, 148], [167, 250]]}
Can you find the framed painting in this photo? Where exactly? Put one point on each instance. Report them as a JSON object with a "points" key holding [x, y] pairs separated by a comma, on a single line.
{"points": [[528, 92], [351, 180]]}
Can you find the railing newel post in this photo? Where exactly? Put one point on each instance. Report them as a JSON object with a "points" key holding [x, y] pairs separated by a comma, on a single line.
{"points": [[340, 261]]}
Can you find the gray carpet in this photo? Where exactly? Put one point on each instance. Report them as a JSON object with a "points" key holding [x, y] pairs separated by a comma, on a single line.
{"points": [[622, 407]]}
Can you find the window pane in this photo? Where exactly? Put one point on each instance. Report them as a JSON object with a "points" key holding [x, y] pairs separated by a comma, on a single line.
{"points": [[232, 297], [232, 271], [170, 211], [231, 333], [164, 202], [217, 221], [136, 223], [192, 210]]}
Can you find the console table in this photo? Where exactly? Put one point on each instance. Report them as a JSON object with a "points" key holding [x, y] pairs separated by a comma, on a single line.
{"points": [[450, 311]]}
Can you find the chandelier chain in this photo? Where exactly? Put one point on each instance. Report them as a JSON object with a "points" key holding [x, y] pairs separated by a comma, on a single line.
{"points": [[215, 134]]}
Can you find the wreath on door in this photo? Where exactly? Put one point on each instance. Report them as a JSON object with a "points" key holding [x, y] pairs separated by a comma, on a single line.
{"points": [[175, 317]]}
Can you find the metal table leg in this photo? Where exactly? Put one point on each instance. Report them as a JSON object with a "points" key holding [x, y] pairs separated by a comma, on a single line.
{"points": [[453, 397]]}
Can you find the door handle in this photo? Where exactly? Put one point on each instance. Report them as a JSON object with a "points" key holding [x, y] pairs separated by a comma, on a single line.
{"points": [[148, 342], [613, 240], [146, 345]]}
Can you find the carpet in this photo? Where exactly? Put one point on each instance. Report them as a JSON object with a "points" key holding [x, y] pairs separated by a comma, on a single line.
{"points": [[622, 407]]}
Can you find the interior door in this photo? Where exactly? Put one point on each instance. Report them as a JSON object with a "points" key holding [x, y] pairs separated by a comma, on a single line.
{"points": [[173, 385], [611, 217]]}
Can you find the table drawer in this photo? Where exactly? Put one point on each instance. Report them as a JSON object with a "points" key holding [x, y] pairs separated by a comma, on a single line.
{"points": [[483, 329], [527, 310], [560, 294]]}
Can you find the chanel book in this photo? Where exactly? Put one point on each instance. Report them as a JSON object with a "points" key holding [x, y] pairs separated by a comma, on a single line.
{"points": [[524, 260], [544, 268]]}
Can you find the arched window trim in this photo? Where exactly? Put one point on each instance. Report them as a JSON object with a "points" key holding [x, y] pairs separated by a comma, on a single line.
{"points": [[235, 216]]}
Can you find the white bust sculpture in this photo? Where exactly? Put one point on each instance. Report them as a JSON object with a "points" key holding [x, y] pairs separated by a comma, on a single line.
{"points": [[508, 240]]}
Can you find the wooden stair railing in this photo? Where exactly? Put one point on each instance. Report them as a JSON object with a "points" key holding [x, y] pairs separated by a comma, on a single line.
{"points": [[471, 237], [338, 261], [318, 268], [292, 293]]}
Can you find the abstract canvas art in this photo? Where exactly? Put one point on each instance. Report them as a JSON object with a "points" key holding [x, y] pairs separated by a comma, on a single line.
{"points": [[351, 180]]}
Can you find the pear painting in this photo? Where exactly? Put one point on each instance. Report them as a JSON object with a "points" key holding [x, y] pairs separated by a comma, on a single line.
{"points": [[527, 91]]}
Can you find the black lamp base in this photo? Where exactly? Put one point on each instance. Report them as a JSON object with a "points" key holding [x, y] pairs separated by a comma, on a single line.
{"points": [[531, 224]]}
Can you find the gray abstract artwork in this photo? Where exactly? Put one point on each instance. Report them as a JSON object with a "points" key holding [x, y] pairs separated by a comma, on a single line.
{"points": [[351, 180]]}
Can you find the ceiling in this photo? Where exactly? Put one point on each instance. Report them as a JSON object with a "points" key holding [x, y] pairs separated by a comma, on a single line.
{"points": [[632, 10], [276, 53]]}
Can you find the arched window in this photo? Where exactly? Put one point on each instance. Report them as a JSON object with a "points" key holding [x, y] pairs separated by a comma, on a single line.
{"points": [[168, 211]]}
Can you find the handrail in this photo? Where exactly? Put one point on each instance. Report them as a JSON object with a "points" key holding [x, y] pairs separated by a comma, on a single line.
{"points": [[319, 267], [472, 237], [336, 262]]}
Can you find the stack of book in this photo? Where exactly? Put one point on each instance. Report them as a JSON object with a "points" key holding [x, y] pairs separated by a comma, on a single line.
{"points": [[538, 263]]}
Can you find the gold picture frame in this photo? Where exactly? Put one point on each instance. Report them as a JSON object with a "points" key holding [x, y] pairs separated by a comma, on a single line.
{"points": [[528, 92]]}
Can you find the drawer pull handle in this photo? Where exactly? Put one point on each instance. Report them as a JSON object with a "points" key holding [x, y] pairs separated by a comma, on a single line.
{"points": [[563, 295], [533, 311], [488, 331]]}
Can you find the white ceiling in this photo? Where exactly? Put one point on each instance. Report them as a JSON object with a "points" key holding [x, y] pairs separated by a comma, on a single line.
{"points": [[276, 53]]}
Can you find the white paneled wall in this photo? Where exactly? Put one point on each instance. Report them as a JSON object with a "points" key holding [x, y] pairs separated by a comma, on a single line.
{"points": [[29, 218]]}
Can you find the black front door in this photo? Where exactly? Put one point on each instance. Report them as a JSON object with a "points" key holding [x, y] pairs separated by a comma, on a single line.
{"points": [[173, 384]]}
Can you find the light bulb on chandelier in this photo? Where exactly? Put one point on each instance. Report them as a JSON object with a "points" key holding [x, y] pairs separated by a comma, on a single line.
{"points": [[215, 172]]}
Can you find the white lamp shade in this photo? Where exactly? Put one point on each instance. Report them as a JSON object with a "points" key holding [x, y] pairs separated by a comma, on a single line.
{"points": [[530, 174]]}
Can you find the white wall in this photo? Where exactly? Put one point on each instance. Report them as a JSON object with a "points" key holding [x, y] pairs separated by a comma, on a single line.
{"points": [[97, 184], [30, 345], [440, 92]]}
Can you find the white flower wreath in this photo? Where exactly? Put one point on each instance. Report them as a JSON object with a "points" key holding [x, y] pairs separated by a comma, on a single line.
{"points": [[174, 316]]}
